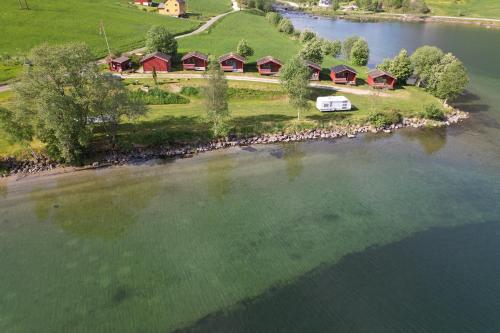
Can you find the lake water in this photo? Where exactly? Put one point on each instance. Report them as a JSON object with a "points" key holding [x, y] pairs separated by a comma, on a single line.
{"points": [[382, 233]]}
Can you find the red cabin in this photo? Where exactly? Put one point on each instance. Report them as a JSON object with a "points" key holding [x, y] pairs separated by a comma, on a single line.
{"points": [[315, 70], [119, 64], [158, 60], [343, 74], [195, 61], [380, 79], [269, 65], [232, 62]]}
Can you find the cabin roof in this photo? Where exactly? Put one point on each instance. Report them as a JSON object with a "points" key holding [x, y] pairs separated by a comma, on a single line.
{"points": [[120, 60], [267, 59], [157, 54], [232, 55], [313, 65], [374, 73], [343, 68], [196, 54]]}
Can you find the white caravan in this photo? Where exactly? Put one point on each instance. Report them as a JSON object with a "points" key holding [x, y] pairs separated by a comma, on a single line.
{"points": [[333, 103]]}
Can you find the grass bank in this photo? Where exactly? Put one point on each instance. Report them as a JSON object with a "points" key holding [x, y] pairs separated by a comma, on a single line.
{"points": [[469, 8]]}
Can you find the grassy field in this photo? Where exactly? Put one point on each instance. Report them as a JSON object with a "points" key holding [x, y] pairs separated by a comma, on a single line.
{"points": [[472, 8], [208, 7]]}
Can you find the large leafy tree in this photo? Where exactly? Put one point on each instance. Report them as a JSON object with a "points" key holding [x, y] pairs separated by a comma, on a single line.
{"points": [[158, 38], [423, 59], [313, 51], [332, 48], [216, 98], [360, 52], [62, 96], [448, 79], [294, 77], [244, 49], [401, 66], [347, 46], [286, 26]]}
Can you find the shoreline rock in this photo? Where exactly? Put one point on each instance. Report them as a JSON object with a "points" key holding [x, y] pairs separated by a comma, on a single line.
{"points": [[26, 167]]}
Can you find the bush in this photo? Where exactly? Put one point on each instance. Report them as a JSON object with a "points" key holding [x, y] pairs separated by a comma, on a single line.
{"points": [[157, 96], [433, 112], [243, 49], [190, 91], [307, 35], [274, 17], [381, 119], [286, 26], [360, 53]]}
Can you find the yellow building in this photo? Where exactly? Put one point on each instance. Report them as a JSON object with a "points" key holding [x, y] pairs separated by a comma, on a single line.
{"points": [[172, 8]]}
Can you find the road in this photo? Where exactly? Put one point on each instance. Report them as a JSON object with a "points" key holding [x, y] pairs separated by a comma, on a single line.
{"points": [[315, 85]]}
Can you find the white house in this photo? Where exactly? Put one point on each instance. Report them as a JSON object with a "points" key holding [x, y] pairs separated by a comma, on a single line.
{"points": [[325, 3], [333, 103]]}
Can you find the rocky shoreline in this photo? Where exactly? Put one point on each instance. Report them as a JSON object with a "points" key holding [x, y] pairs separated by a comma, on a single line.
{"points": [[43, 164]]}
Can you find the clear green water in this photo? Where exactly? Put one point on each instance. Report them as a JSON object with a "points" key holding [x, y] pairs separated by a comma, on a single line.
{"points": [[396, 233]]}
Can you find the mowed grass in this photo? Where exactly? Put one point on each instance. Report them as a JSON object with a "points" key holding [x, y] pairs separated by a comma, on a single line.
{"points": [[56, 21], [472, 8], [208, 7]]}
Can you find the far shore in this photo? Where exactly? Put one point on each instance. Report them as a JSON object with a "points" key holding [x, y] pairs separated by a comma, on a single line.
{"points": [[43, 166]]}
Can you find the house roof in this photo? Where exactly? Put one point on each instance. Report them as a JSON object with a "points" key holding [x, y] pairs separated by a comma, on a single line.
{"points": [[121, 59], [157, 54], [196, 54], [343, 68], [313, 65], [374, 73], [269, 59], [232, 55]]}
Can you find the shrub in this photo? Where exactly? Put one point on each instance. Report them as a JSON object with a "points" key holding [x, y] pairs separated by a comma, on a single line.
{"points": [[307, 35], [157, 96], [286, 26], [433, 112], [190, 91], [243, 49], [312, 51], [360, 53], [381, 119], [274, 17]]}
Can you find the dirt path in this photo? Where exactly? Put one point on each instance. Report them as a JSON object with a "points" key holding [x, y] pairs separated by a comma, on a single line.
{"points": [[315, 85]]}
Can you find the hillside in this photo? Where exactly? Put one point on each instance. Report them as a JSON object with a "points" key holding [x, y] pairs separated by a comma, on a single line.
{"points": [[57, 21], [472, 8]]}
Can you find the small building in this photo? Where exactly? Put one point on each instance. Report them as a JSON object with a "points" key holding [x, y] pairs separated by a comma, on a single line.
{"points": [[143, 2], [315, 70], [269, 65], [325, 3], [380, 79], [195, 61], [175, 8], [232, 62], [349, 7], [119, 64], [343, 74], [333, 103], [161, 62]]}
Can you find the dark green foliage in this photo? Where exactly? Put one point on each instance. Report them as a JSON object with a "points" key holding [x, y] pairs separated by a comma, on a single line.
{"points": [[370, 5], [307, 35], [401, 66], [157, 96], [216, 104], [381, 119], [190, 91], [448, 79], [423, 59], [243, 49], [433, 112], [158, 38], [14, 127], [312, 51], [347, 46], [360, 53], [294, 78], [331, 48]]}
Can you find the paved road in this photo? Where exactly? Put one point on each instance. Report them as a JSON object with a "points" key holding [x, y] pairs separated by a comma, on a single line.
{"points": [[342, 89]]}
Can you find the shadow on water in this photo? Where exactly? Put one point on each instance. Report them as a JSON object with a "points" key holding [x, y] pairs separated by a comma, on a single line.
{"points": [[292, 155], [431, 140], [219, 175], [429, 282], [104, 211]]}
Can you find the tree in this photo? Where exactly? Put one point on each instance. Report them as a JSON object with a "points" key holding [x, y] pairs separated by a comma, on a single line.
{"points": [[243, 49], [332, 48], [286, 26], [216, 100], [61, 96], [347, 46], [312, 51], [274, 17], [307, 35], [158, 38], [448, 79], [401, 66], [360, 52], [385, 65], [294, 78], [423, 59], [155, 76]]}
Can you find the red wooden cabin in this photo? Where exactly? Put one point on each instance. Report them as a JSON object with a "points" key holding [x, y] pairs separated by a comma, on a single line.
{"points": [[343, 74], [158, 60], [119, 64], [232, 62], [269, 65], [315, 70], [195, 61], [380, 79]]}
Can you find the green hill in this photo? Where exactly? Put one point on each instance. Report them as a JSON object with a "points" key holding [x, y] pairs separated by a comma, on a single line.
{"points": [[472, 8]]}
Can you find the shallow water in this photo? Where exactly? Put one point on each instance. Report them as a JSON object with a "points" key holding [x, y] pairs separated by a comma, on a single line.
{"points": [[382, 233]]}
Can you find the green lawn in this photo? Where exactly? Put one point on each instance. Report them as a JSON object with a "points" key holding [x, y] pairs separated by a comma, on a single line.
{"points": [[208, 7], [473, 8], [57, 21]]}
